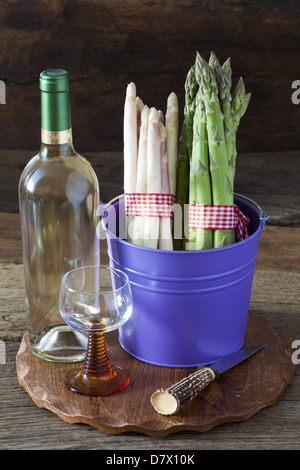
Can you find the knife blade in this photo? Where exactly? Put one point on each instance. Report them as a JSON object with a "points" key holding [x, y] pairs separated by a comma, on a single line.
{"points": [[169, 401]]}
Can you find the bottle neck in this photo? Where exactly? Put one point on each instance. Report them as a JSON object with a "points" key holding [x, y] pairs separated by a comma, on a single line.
{"points": [[55, 118], [56, 137]]}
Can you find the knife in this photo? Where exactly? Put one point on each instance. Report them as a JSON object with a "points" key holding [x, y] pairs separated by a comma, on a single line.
{"points": [[169, 401]]}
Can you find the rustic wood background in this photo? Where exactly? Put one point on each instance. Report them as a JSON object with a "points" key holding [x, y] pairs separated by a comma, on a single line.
{"points": [[104, 44]]}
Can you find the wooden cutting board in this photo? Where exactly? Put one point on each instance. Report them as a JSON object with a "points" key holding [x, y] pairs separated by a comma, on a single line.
{"points": [[240, 392]]}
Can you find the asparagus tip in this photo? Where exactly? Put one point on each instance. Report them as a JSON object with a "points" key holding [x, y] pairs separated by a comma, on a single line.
{"points": [[154, 116], [160, 116], [139, 102], [145, 112], [172, 98], [213, 60], [131, 90], [240, 87], [227, 66]]}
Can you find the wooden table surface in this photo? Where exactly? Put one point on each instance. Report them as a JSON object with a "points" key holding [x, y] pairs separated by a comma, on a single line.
{"points": [[273, 181]]}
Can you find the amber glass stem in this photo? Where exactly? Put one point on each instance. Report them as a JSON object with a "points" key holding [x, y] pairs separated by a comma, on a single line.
{"points": [[96, 359]]}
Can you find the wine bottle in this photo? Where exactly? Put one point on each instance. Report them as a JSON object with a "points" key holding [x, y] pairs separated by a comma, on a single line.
{"points": [[58, 201]]}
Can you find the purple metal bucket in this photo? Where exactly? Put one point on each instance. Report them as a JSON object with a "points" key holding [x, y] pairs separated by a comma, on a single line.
{"points": [[190, 308]]}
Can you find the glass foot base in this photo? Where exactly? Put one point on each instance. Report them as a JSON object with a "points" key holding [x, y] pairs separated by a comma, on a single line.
{"points": [[59, 343], [95, 385]]}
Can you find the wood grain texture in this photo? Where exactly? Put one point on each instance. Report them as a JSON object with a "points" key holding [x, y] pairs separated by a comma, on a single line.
{"points": [[238, 394], [275, 297], [105, 44]]}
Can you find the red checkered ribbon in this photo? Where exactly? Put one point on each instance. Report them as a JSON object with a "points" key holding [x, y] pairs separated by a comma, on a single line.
{"points": [[149, 205], [219, 218]]}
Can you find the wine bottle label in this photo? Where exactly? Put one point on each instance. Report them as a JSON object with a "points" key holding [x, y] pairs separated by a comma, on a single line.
{"points": [[56, 138]]}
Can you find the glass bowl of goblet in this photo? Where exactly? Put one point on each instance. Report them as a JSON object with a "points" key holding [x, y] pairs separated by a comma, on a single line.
{"points": [[96, 300]]}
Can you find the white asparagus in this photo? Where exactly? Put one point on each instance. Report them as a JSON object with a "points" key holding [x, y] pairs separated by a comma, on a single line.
{"points": [[151, 234], [165, 235], [171, 123], [141, 182], [130, 146], [139, 107], [161, 117], [150, 164]]}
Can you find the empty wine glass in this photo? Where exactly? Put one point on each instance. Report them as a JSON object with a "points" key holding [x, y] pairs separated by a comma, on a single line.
{"points": [[96, 299]]}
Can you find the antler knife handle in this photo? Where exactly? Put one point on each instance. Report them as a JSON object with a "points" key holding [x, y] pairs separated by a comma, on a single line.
{"points": [[169, 401]]}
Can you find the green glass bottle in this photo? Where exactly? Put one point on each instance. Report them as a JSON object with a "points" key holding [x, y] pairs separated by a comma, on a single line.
{"points": [[58, 201]]}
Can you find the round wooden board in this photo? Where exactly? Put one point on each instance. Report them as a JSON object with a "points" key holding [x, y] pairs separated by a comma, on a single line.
{"points": [[240, 392]]}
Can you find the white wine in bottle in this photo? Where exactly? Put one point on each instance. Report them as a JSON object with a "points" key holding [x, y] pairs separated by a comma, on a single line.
{"points": [[58, 201]]}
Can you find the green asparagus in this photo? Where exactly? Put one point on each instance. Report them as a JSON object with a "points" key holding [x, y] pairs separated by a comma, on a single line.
{"points": [[222, 189], [240, 102], [200, 184], [207, 146], [223, 78], [184, 156]]}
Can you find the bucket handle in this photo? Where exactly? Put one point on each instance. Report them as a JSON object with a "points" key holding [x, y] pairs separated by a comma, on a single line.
{"points": [[103, 210], [263, 217], [104, 206], [263, 220]]}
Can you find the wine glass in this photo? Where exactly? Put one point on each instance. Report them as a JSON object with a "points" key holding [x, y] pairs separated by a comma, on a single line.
{"points": [[95, 300]]}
